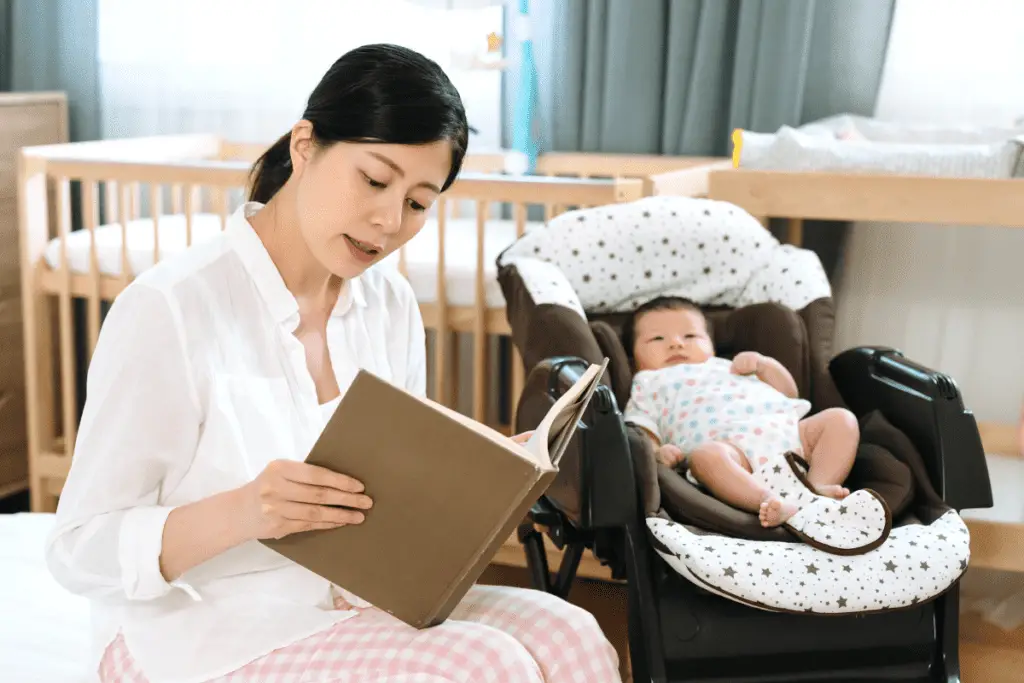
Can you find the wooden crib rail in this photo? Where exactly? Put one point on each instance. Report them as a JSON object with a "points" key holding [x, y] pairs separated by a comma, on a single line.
{"points": [[589, 165], [872, 197], [164, 147], [689, 181]]}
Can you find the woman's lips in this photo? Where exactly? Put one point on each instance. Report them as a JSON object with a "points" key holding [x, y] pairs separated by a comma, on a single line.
{"points": [[362, 251]]}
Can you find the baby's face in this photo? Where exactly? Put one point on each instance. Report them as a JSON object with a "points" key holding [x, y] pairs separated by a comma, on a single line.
{"points": [[671, 337]]}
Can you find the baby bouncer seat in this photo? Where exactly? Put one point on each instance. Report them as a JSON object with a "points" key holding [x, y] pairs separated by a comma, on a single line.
{"points": [[713, 596]]}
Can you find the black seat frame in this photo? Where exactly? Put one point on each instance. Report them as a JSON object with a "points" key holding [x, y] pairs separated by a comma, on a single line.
{"points": [[679, 632]]}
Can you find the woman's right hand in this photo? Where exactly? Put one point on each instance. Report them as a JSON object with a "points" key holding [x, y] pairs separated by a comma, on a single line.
{"points": [[290, 496]]}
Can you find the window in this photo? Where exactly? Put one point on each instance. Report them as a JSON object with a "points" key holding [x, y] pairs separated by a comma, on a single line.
{"points": [[244, 68]]}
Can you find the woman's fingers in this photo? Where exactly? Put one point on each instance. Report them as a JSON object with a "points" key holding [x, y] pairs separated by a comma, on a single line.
{"points": [[304, 473], [321, 495], [318, 514]]}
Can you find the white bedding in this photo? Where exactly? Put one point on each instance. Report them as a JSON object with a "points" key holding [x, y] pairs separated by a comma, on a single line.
{"points": [[421, 252], [44, 630]]}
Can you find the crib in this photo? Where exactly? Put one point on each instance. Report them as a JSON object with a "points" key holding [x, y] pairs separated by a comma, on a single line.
{"points": [[90, 214]]}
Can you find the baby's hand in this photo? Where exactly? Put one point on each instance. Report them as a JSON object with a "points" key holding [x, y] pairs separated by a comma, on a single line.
{"points": [[669, 455], [746, 363]]}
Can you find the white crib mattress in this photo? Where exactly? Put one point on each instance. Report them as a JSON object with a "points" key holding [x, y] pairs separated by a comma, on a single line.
{"points": [[421, 252], [44, 630]]}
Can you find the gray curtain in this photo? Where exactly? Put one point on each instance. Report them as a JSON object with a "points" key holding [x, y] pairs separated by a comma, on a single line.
{"points": [[677, 76], [52, 45]]}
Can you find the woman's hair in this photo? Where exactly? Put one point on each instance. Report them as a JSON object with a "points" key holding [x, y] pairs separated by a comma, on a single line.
{"points": [[374, 93]]}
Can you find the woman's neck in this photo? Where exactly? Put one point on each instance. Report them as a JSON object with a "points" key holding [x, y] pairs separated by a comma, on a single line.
{"points": [[312, 285]]}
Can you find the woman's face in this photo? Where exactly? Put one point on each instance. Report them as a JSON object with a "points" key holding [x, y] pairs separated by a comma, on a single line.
{"points": [[358, 202]]}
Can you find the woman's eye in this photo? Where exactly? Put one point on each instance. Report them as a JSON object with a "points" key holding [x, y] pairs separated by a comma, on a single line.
{"points": [[374, 183]]}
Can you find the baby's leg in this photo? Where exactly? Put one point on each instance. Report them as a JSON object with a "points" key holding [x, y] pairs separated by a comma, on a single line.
{"points": [[830, 441], [723, 469]]}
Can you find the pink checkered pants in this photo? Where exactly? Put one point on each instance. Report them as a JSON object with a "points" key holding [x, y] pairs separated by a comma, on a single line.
{"points": [[496, 635]]}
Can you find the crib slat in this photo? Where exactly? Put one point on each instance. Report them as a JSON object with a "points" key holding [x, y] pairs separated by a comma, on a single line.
{"points": [[220, 200], [189, 209], [112, 202], [123, 211], [136, 200], [67, 353], [176, 200], [441, 347], [480, 373], [155, 209], [795, 232], [516, 359], [90, 215]]}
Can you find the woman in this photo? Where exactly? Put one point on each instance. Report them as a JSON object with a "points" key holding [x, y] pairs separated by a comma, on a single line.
{"points": [[215, 373]]}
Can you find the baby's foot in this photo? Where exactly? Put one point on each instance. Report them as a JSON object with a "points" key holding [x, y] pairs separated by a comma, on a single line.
{"points": [[832, 491], [775, 512]]}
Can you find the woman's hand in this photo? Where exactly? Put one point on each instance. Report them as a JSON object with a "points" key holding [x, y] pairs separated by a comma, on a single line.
{"points": [[290, 496], [522, 438]]}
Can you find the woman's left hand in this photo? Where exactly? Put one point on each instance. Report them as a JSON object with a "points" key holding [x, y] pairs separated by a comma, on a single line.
{"points": [[522, 438]]}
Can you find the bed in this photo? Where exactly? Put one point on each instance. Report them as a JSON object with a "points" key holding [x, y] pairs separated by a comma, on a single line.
{"points": [[94, 214], [44, 631]]}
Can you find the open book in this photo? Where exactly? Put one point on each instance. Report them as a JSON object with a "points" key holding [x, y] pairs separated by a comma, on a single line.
{"points": [[447, 492]]}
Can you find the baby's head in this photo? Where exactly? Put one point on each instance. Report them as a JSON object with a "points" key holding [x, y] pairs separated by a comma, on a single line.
{"points": [[667, 331]]}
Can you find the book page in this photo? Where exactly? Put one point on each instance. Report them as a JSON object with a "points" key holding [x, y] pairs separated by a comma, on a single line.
{"points": [[552, 435]]}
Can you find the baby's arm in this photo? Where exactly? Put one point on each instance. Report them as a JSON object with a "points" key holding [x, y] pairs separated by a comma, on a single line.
{"points": [[642, 413], [775, 373]]}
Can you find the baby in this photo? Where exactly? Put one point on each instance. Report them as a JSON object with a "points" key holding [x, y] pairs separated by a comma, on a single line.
{"points": [[720, 417]]}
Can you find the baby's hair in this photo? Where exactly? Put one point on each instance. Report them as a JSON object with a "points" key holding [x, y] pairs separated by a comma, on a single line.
{"points": [[659, 303]]}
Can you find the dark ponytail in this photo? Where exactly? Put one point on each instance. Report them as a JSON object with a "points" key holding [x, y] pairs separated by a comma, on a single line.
{"points": [[271, 170], [374, 93]]}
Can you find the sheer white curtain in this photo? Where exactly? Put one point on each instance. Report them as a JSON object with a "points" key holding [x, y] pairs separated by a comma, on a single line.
{"points": [[950, 297], [244, 68]]}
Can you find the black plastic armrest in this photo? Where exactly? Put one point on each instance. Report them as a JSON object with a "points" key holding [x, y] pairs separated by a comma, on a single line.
{"points": [[927, 407], [608, 485]]}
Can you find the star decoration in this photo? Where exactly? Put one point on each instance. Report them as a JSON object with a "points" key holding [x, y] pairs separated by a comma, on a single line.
{"points": [[841, 602], [766, 572], [493, 42], [730, 572], [811, 569], [842, 509], [891, 566], [924, 566]]}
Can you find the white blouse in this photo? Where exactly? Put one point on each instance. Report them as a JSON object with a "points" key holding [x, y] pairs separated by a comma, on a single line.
{"points": [[196, 383]]}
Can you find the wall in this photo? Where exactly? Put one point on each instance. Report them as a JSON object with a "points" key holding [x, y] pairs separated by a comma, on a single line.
{"points": [[950, 297]]}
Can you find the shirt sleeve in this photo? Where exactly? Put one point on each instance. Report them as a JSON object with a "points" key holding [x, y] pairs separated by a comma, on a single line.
{"points": [[641, 410], [141, 422]]}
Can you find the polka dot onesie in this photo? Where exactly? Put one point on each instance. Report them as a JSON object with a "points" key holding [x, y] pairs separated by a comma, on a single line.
{"points": [[693, 404]]}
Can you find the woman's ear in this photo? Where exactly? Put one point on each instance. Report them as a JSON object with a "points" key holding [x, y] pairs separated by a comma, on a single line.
{"points": [[301, 146]]}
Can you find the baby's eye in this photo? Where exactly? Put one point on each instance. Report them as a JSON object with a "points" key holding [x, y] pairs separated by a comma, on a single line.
{"points": [[374, 183], [416, 206]]}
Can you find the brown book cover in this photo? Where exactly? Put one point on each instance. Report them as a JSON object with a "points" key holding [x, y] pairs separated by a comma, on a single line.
{"points": [[447, 492]]}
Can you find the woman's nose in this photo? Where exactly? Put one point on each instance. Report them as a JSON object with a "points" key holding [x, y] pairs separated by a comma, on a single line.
{"points": [[388, 217]]}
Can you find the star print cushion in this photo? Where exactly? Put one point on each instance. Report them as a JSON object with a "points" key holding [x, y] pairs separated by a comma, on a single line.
{"points": [[709, 251], [858, 523], [915, 564]]}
